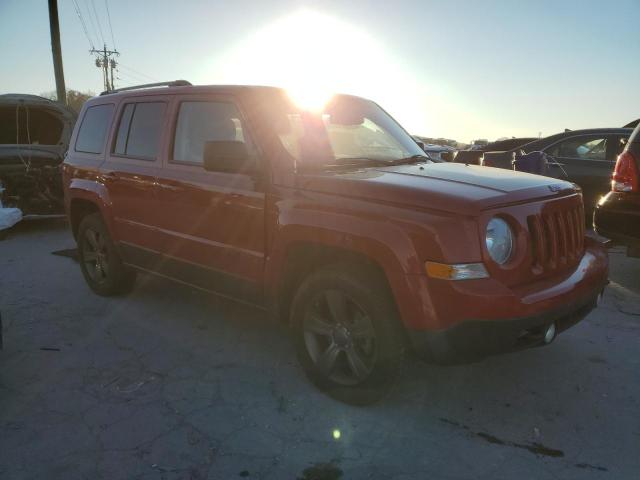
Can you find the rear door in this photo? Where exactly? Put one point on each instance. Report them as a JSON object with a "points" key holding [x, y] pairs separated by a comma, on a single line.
{"points": [[587, 160], [212, 222], [130, 173]]}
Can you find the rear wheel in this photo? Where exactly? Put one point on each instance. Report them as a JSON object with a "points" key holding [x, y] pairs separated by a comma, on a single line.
{"points": [[100, 262], [348, 337]]}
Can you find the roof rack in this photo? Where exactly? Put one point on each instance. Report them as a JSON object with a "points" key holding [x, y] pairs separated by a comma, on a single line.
{"points": [[173, 83]]}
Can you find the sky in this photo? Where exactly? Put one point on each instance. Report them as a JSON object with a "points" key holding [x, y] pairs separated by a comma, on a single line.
{"points": [[455, 69]]}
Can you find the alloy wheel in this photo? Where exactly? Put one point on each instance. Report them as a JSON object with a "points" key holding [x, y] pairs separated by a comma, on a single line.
{"points": [[340, 338], [95, 255]]}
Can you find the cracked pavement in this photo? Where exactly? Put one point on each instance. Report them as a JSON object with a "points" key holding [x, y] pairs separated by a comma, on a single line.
{"points": [[172, 383]]}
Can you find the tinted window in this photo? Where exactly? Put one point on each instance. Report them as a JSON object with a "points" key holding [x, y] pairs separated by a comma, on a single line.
{"points": [[200, 122], [585, 148], [123, 129], [140, 129], [93, 130]]}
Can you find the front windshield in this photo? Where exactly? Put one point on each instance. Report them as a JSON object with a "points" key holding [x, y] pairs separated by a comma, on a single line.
{"points": [[346, 131]]}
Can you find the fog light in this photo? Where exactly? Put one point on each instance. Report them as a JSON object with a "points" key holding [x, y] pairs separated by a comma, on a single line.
{"points": [[550, 333]]}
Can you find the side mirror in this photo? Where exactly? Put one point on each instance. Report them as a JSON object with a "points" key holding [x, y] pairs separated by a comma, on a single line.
{"points": [[227, 156]]}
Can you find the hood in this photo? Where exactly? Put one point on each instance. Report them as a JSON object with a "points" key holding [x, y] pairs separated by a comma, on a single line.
{"points": [[50, 123], [450, 187]]}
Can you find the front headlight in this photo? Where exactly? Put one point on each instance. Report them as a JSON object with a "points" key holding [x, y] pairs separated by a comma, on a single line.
{"points": [[499, 238]]}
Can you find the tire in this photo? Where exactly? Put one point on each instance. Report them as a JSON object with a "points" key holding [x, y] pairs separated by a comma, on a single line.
{"points": [[348, 337], [100, 261]]}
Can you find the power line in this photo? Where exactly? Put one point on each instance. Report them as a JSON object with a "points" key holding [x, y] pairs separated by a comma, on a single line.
{"points": [[132, 70], [135, 73], [93, 5], [106, 4], [121, 76], [94, 30], [84, 26], [129, 77]]}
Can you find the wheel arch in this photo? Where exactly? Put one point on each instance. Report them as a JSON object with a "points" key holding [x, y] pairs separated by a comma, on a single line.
{"points": [[303, 258], [86, 197], [78, 209]]}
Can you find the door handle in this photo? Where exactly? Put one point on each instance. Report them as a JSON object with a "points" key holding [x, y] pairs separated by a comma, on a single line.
{"points": [[170, 187], [111, 176], [231, 198]]}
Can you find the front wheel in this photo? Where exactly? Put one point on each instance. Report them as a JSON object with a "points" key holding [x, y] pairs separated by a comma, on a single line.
{"points": [[348, 337], [100, 262]]}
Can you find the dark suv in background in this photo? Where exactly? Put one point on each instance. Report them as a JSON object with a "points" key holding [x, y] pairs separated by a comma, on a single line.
{"points": [[617, 215]]}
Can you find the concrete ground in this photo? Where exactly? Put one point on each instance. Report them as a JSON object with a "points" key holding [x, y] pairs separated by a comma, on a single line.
{"points": [[171, 383]]}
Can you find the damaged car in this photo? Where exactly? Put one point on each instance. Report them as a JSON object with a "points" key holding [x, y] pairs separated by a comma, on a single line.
{"points": [[34, 136]]}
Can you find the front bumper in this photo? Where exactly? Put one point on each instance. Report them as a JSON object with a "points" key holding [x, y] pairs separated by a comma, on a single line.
{"points": [[474, 340], [473, 319]]}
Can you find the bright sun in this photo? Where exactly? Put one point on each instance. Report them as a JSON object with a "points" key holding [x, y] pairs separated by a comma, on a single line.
{"points": [[313, 55]]}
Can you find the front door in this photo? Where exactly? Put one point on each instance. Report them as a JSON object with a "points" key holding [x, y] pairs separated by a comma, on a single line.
{"points": [[212, 223]]}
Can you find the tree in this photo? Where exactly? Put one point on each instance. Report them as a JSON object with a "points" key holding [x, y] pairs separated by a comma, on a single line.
{"points": [[75, 99]]}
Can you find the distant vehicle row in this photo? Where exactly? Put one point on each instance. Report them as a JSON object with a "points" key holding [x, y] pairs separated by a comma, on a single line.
{"points": [[584, 157]]}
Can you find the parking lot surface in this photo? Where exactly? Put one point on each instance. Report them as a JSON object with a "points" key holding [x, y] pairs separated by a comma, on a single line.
{"points": [[173, 383]]}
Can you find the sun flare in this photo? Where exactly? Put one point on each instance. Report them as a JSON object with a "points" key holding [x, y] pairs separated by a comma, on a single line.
{"points": [[313, 55]]}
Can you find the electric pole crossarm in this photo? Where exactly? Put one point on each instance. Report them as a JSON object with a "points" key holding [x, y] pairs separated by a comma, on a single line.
{"points": [[105, 62]]}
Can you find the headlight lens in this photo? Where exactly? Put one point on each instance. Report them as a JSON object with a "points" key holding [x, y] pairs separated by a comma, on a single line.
{"points": [[499, 238]]}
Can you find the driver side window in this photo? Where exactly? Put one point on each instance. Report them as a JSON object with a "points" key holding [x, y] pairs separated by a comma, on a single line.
{"points": [[583, 148], [200, 122]]}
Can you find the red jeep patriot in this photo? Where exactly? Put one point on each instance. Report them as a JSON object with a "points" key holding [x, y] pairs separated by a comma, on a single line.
{"points": [[334, 219]]}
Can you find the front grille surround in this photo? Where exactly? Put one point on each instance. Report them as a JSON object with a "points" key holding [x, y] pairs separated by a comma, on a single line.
{"points": [[556, 238]]}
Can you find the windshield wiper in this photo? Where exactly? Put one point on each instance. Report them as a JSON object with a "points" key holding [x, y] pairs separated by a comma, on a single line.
{"points": [[419, 158], [357, 161], [373, 162]]}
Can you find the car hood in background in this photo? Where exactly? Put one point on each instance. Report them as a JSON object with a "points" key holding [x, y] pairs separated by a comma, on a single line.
{"points": [[62, 112]]}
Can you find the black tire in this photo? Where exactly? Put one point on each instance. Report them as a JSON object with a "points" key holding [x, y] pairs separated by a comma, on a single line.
{"points": [[100, 261], [351, 311]]}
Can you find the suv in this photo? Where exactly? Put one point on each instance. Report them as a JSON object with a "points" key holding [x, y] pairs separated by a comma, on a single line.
{"points": [[617, 215], [334, 220]]}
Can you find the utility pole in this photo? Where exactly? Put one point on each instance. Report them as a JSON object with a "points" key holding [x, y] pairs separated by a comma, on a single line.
{"points": [[112, 66], [54, 26], [105, 62]]}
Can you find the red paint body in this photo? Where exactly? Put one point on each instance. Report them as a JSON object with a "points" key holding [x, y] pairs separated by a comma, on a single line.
{"points": [[244, 226]]}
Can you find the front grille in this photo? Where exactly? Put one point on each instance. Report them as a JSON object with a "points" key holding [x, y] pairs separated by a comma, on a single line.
{"points": [[557, 238]]}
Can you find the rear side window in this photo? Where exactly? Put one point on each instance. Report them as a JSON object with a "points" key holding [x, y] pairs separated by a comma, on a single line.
{"points": [[140, 129], [93, 129], [201, 122]]}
